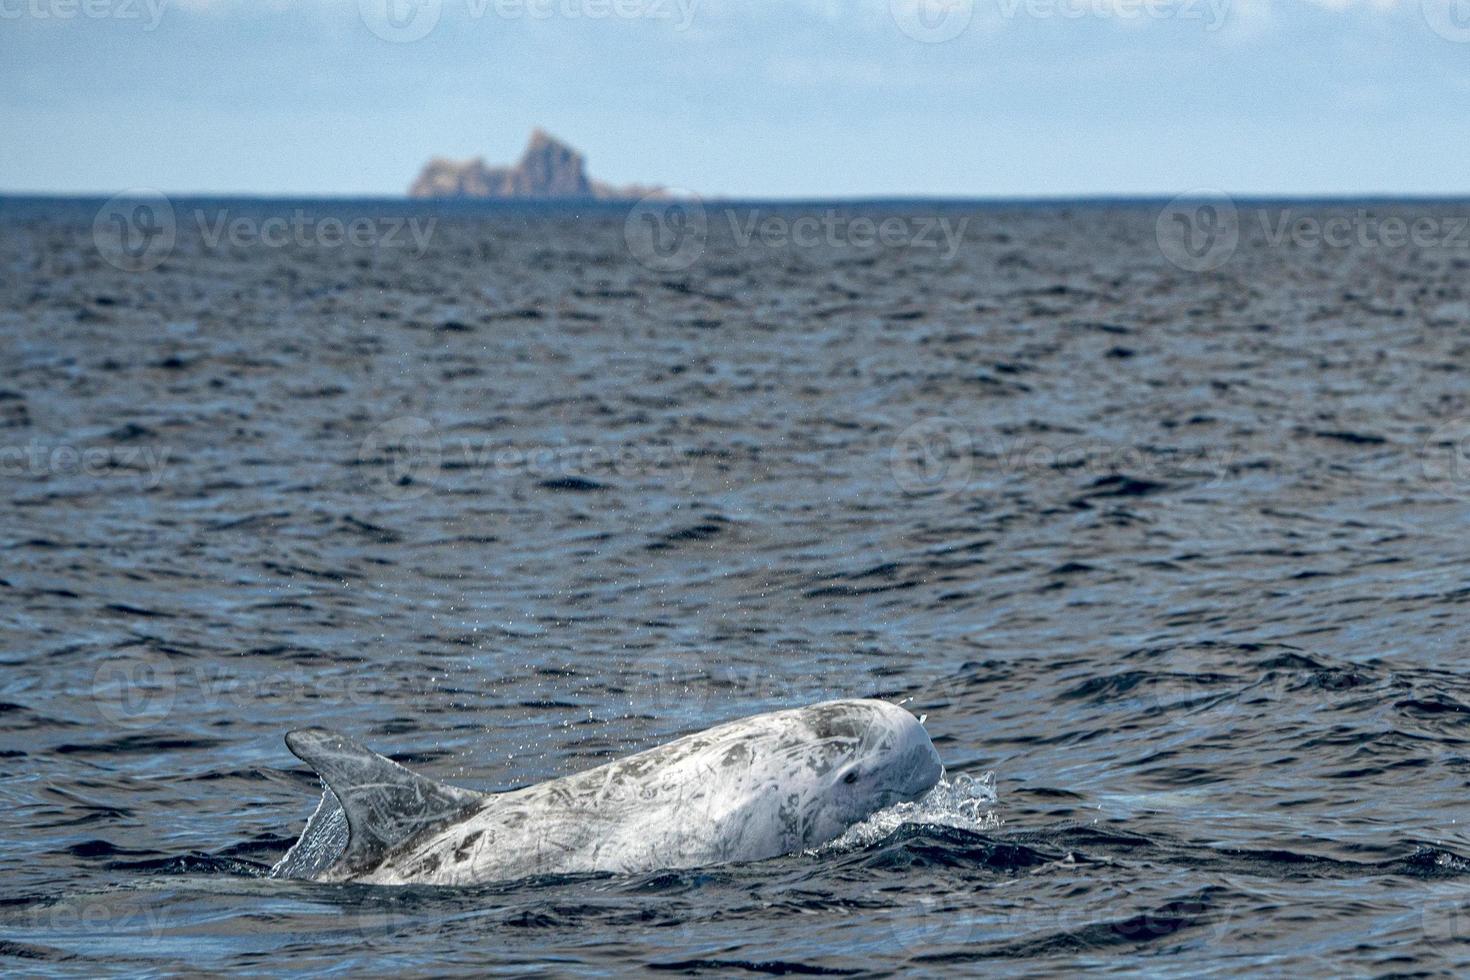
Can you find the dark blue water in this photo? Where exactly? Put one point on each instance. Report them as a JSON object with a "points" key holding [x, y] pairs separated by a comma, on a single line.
{"points": [[1178, 556]]}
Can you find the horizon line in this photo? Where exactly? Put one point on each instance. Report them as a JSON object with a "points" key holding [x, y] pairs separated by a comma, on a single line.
{"points": [[1088, 198]]}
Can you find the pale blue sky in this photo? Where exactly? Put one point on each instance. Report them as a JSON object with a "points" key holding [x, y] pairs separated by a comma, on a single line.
{"points": [[767, 98]]}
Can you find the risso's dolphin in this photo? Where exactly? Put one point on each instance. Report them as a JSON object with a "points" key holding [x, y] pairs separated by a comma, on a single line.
{"points": [[755, 788]]}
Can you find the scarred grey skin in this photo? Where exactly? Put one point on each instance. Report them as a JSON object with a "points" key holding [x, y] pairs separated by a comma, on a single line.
{"points": [[755, 788]]}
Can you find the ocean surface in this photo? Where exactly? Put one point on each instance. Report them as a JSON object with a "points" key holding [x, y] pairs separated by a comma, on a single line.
{"points": [[1156, 512]]}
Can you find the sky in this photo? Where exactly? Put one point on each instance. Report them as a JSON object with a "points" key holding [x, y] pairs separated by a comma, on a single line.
{"points": [[750, 98]]}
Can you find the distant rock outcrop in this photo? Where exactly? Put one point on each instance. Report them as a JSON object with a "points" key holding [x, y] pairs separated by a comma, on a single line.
{"points": [[549, 169]]}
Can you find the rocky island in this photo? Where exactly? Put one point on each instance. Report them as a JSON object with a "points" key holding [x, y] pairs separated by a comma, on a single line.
{"points": [[548, 170]]}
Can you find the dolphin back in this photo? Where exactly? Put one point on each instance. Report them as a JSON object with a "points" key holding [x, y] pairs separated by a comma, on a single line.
{"points": [[386, 805]]}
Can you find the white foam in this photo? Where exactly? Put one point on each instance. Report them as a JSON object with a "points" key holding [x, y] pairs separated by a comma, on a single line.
{"points": [[964, 802]]}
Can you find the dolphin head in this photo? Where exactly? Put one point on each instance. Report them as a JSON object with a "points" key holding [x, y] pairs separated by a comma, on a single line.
{"points": [[886, 758]]}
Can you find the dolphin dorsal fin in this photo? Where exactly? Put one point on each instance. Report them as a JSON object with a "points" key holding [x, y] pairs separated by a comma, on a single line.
{"points": [[385, 803]]}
